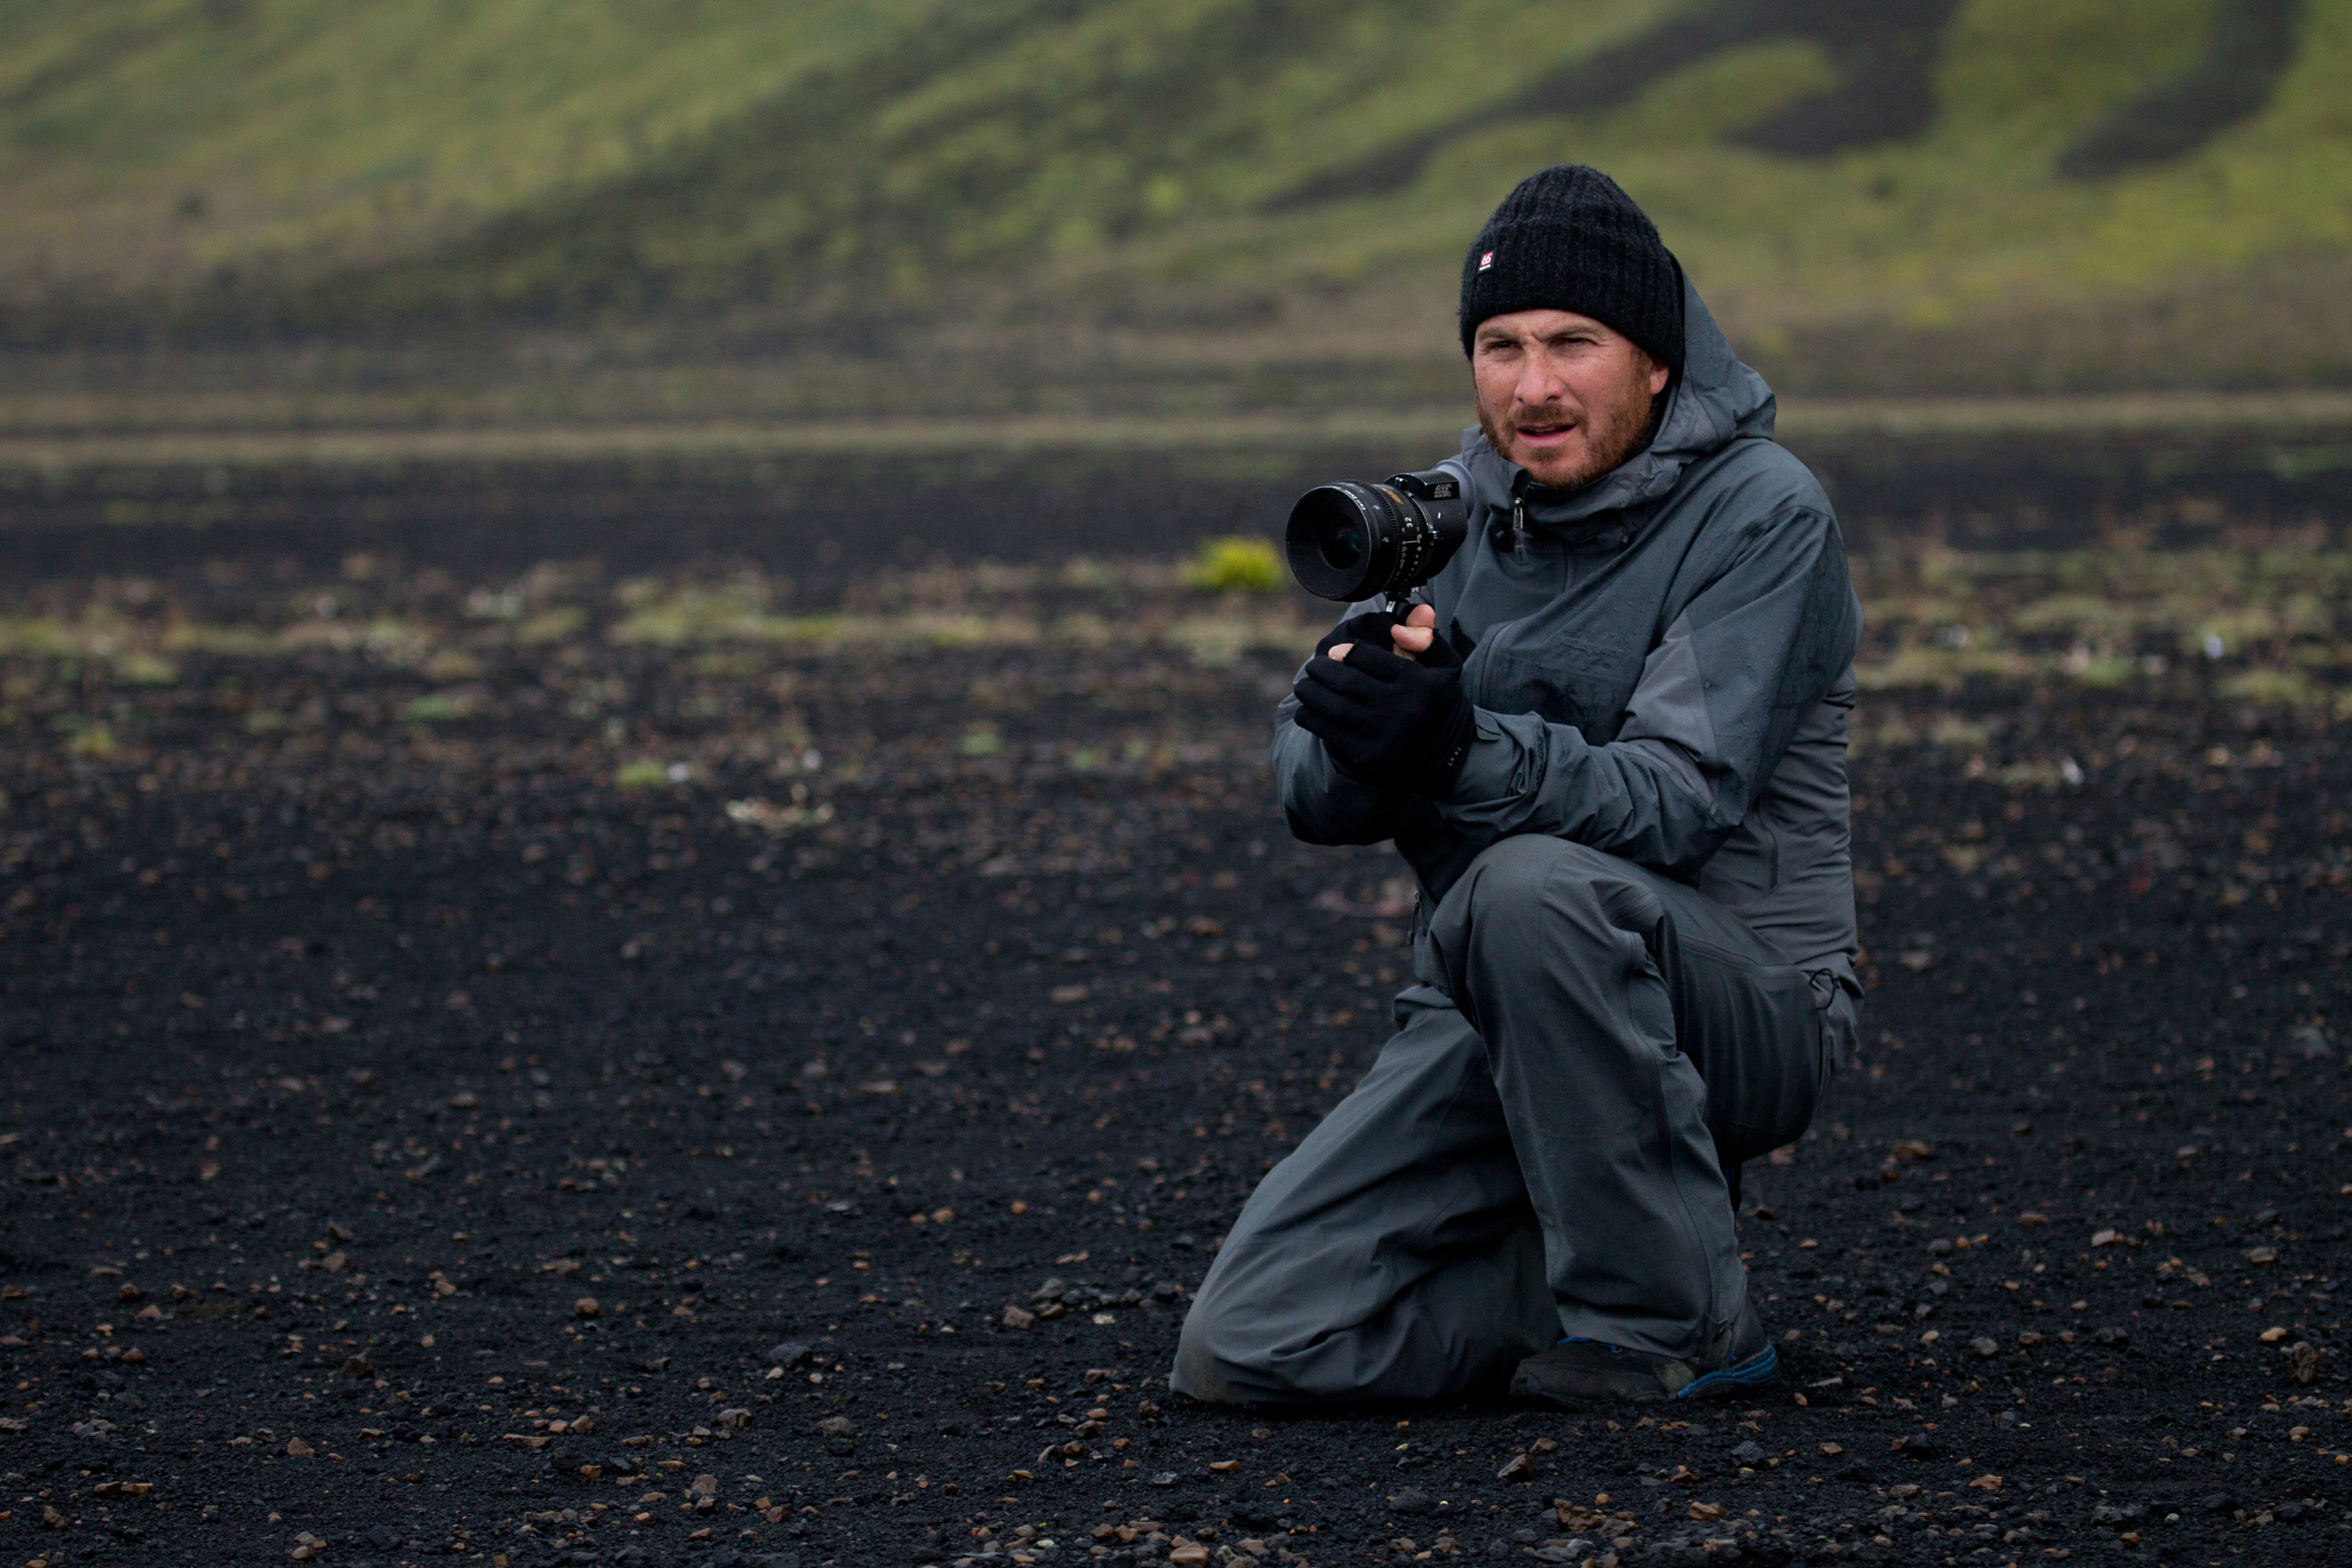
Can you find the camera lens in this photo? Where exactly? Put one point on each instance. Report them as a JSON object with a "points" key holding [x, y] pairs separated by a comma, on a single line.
{"points": [[1350, 541]]}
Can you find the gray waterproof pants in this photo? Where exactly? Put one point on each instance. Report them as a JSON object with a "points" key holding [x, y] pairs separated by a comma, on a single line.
{"points": [[1537, 1152]]}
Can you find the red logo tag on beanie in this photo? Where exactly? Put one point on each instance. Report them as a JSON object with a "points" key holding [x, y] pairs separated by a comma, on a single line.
{"points": [[1486, 261]]}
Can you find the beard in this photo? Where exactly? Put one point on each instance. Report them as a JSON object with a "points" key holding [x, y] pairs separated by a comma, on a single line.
{"points": [[1614, 431]]}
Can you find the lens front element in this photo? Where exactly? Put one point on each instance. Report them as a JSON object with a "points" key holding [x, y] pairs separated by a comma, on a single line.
{"points": [[1342, 542]]}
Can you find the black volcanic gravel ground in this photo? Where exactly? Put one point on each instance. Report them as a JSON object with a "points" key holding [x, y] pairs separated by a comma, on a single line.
{"points": [[478, 1088]]}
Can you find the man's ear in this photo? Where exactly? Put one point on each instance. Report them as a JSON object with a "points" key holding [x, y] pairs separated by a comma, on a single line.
{"points": [[1659, 373]]}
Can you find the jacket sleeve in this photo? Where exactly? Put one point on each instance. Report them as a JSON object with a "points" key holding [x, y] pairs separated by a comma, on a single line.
{"points": [[1322, 805], [1717, 702]]}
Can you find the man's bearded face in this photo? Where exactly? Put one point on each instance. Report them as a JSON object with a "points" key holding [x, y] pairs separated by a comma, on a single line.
{"points": [[1562, 396]]}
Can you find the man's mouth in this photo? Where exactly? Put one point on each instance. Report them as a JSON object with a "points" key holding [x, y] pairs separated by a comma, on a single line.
{"points": [[1545, 433]]}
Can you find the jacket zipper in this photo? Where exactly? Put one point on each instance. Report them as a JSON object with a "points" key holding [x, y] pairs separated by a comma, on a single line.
{"points": [[1520, 551]]}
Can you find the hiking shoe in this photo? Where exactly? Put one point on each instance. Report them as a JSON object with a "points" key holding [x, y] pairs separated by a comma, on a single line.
{"points": [[1739, 1360]]}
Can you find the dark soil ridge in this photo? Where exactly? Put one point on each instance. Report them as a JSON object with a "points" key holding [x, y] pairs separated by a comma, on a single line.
{"points": [[825, 519], [347, 1053]]}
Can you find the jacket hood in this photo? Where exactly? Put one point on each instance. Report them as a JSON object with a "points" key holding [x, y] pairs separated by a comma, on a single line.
{"points": [[1715, 400]]}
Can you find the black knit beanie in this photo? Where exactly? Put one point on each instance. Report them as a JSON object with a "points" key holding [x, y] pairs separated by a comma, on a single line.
{"points": [[1569, 239]]}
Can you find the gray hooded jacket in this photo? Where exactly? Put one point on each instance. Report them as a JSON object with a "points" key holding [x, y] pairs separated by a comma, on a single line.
{"points": [[1661, 666]]}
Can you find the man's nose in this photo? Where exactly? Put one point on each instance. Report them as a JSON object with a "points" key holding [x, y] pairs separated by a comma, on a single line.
{"points": [[1539, 387]]}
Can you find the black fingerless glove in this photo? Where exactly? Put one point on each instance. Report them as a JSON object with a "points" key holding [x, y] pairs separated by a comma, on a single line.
{"points": [[1388, 721]]}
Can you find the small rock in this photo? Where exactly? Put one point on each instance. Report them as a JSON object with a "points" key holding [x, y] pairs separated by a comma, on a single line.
{"points": [[2272, 1335], [129, 1292], [1014, 1318], [2303, 1364], [1517, 1467], [840, 1435], [1749, 1453], [359, 1366], [1941, 1246], [1412, 1501], [2219, 1503], [298, 1450], [2114, 1338], [792, 1352], [587, 1307], [1922, 1446], [1983, 1349]]}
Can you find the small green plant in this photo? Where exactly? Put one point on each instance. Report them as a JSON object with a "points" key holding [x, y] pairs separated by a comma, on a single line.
{"points": [[643, 773], [1236, 563], [434, 707], [95, 741]]}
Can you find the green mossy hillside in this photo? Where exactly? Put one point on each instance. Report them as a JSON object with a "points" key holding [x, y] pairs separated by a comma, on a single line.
{"points": [[1953, 193]]}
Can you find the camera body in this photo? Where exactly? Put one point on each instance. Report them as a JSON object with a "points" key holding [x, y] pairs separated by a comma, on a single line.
{"points": [[1350, 540]]}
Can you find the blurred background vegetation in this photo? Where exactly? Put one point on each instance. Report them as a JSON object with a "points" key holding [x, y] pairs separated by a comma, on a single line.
{"points": [[303, 210]]}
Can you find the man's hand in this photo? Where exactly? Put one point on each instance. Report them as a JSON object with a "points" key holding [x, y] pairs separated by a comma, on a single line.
{"points": [[1391, 717], [1412, 636]]}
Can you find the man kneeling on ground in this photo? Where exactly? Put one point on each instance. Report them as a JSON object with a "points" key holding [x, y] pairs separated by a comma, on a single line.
{"points": [[1610, 741]]}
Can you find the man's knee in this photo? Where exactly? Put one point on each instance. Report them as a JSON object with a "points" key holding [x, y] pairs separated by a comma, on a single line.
{"points": [[1514, 887], [1205, 1361], [1228, 1351]]}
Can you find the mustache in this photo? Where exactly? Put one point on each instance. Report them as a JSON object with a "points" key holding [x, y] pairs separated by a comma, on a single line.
{"points": [[1520, 418]]}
